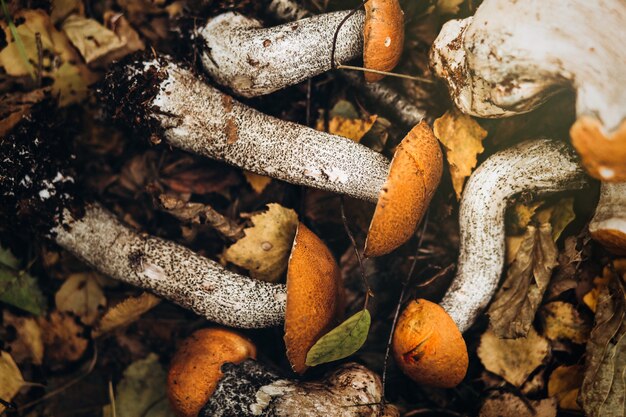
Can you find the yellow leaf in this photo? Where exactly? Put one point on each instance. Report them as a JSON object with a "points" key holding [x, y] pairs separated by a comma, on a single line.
{"points": [[345, 121], [564, 384], [60, 60], [513, 359], [256, 181], [82, 295], [126, 312], [265, 248], [462, 137], [10, 378], [448, 6], [562, 321], [519, 216], [28, 343]]}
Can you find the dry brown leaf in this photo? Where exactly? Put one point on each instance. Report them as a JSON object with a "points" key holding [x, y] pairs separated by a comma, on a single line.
{"points": [[28, 343], [514, 306], [265, 249], [345, 121], [14, 106], [92, 40], [60, 60], [10, 379], [566, 277], [509, 405], [518, 217], [62, 338], [126, 312], [256, 181], [462, 137], [562, 321], [591, 298], [513, 359], [564, 384], [63, 8], [604, 387], [82, 295]]}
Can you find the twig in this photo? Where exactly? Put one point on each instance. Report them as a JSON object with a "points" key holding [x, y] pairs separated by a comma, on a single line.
{"points": [[368, 290], [333, 64], [391, 74], [18, 40]]}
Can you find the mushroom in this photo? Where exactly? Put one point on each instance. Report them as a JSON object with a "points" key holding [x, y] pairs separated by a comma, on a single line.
{"points": [[202, 373], [194, 116], [428, 346], [511, 56], [195, 368], [383, 37], [539, 166], [251, 60], [609, 222]]}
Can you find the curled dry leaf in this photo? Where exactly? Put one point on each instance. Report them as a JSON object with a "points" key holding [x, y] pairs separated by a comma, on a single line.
{"points": [[62, 338], [28, 343], [264, 251], [513, 359], [516, 302], [10, 378], [462, 137], [603, 391], [82, 295], [508, 404], [126, 312], [562, 321], [564, 385]]}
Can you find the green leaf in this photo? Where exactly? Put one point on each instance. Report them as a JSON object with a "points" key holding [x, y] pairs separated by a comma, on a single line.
{"points": [[18, 288], [342, 341]]}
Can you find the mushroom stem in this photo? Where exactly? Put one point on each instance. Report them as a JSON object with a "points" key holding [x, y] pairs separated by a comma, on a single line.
{"points": [[194, 116], [538, 166], [608, 225], [249, 389], [171, 271], [239, 53]]}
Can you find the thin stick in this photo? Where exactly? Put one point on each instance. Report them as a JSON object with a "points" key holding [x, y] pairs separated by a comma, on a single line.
{"points": [[333, 64], [397, 312], [368, 290], [391, 74]]}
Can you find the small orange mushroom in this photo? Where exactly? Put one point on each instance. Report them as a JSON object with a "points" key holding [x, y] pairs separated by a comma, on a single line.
{"points": [[314, 295], [428, 346], [414, 175], [195, 369], [383, 37]]}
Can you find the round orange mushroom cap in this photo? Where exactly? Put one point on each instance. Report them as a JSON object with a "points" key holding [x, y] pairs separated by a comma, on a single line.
{"points": [[314, 294], [414, 175], [383, 37], [195, 369], [604, 157], [428, 346]]}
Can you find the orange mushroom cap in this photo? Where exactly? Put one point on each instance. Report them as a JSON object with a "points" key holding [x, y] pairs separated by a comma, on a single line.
{"points": [[383, 37], [195, 369], [428, 346], [604, 157], [414, 175], [314, 293]]}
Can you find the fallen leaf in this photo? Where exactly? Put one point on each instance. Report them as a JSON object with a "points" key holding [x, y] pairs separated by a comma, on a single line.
{"points": [[92, 40], [448, 6], [256, 181], [507, 404], [17, 287], [345, 121], [342, 341], [10, 379], [591, 298], [462, 137], [142, 390], [559, 215], [603, 390], [62, 338], [564, 384], [514, 306], [126, 312], [60, 60], [28, 343], [265, 249], [562, 321], [82, 295], [513, 359], [518, 217], [15, 106], [566, 277], [63, 8]]}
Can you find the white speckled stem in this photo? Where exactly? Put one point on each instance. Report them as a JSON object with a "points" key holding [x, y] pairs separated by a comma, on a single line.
{"points": [[250, 389], [200, 119], [538, 166], [239, 53], [611, 210], [512, 55], [171, 271]]}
